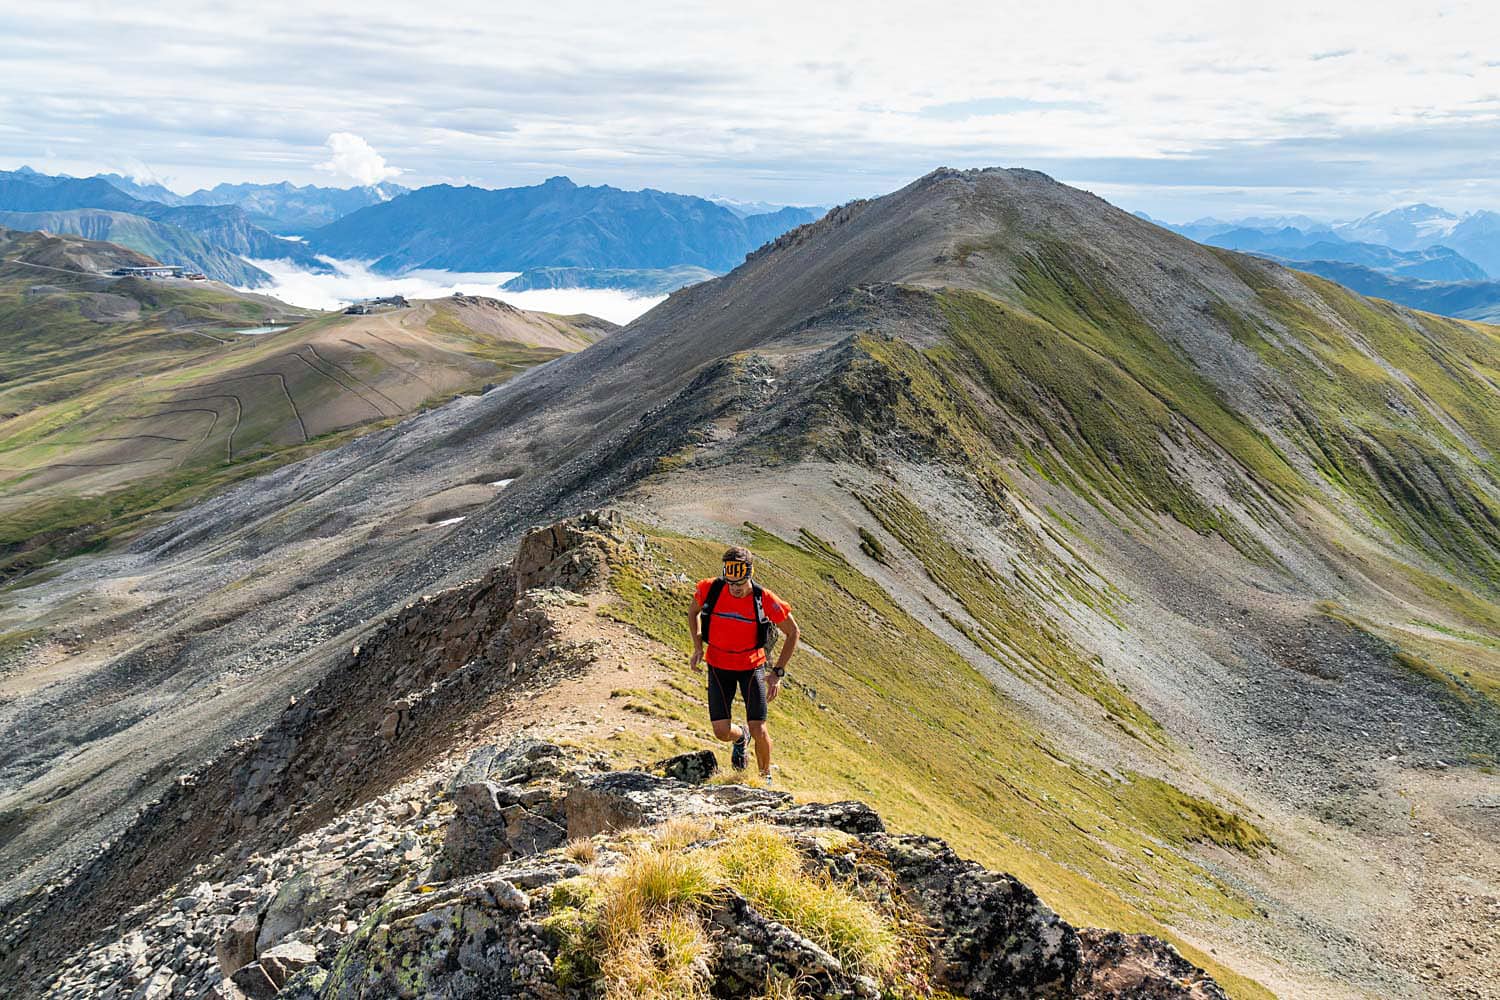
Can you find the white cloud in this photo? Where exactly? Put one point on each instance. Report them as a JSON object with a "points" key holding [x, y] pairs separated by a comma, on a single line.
{"points": [[139, 172], [354, 280], [1140, 95], [357, 160]]}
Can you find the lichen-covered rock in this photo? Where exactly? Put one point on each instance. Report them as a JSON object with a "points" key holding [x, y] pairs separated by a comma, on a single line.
{"points": [[302, 899], [996, 938], [624, 799], [1139, 967], [850, 817], [473, 938], [755, 949], [695, 768]]}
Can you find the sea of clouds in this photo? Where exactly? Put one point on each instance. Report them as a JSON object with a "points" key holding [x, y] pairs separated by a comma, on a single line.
{"points": [[353, 280]]}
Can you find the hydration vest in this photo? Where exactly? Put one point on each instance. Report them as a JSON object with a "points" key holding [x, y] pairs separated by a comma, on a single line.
{"points": [[765, 632]]}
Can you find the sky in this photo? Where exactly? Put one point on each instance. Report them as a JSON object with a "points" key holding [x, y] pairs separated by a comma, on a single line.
{"points": [[1178, 109]]}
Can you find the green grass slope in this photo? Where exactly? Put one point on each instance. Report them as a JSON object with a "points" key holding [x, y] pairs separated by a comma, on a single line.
{"points": [[883, 710], [123, 397]]}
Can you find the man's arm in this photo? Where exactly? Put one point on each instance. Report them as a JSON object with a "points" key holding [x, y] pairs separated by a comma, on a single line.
{"points": [[789, 630], [693, 621]]}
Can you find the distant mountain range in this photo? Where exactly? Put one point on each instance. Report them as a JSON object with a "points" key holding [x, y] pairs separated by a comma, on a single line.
{"points": [[283, 209], [1476, 300], [553, 224], [223, 230], [1418, 255], [213, 238]]}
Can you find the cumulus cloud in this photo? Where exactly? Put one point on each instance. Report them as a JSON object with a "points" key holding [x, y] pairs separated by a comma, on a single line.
{"points": [[357, 160]]}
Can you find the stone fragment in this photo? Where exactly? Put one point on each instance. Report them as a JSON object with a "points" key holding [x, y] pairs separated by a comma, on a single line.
{"points": [[285, 960], [158, 986], [236, 947], [255, 981]]}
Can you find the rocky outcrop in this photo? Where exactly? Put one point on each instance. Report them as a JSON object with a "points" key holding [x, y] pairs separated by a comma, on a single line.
{"points": [[304, 865], [448, 888], [386, 709]]}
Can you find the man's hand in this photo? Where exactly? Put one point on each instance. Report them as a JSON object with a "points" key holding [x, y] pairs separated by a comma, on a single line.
{"points": [[697, 662], [773, 685]]}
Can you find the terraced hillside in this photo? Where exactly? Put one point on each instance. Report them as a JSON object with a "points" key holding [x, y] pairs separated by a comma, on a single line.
{"points": [[1159, 575], [123, 396]]}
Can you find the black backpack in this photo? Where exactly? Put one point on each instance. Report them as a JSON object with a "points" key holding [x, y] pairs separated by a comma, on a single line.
{"points": [[765, 632]]}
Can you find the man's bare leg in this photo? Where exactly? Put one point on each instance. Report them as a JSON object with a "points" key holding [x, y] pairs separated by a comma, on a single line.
{"points": [[762, 737], [727, 732]]}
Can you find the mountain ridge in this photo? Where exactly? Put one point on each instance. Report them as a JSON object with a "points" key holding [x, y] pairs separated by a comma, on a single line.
{"points": [[555, 223], [1224, 532]]}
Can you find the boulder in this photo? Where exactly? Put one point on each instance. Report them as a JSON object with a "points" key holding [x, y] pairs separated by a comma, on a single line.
{"points": [[286, 960], [995, 937], [851, 817], [300, 902], [1139, 967], [236, 945], [305, 985], [694, 768], [490, 828]]}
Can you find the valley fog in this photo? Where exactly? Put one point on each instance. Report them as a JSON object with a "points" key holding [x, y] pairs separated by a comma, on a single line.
{"points": [[354, 280]]}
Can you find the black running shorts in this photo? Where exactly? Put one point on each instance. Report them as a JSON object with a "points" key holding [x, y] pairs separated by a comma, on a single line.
{"points": [[721, 688]]}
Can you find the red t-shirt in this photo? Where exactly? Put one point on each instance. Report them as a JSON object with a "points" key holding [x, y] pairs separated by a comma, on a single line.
{"points": [[731, 636]]}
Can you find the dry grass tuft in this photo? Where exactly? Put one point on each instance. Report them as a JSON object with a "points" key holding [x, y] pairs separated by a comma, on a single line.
{"points": [[639, 932], [666, 958], [682, 831], [581, 850], [748, 778], [761, 864]]}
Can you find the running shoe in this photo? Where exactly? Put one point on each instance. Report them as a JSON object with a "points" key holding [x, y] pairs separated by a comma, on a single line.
{"points": [[737, 755]]}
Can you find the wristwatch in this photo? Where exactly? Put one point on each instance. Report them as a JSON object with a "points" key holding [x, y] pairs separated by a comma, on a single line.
{"points": [[779, 671]]}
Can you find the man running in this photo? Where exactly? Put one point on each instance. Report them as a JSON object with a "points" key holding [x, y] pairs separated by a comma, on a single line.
{"points": [[732, 616]]}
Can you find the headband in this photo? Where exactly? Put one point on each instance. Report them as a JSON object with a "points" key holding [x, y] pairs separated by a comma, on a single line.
{"points": [[736, 570]]}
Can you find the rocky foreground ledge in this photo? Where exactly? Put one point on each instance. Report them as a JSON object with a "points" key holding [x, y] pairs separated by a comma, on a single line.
{"points": [[537, 872]]}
